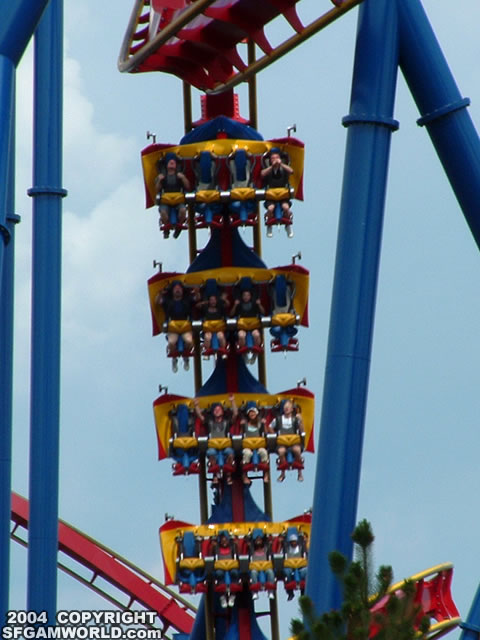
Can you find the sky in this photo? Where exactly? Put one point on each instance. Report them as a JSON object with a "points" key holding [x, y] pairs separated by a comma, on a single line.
{"points": [[419, 472]]}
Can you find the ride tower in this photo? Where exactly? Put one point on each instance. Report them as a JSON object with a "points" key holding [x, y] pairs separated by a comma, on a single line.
{"points": [[223, 307], [220, 176]]}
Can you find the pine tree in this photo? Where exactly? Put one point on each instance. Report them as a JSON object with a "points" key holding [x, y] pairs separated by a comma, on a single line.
{"points": [[399, 620]]}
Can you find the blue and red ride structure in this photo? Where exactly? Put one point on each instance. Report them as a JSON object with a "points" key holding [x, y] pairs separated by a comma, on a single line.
{"points": [[222, 307]]}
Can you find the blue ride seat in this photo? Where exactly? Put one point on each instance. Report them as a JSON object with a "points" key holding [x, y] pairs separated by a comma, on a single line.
{"points": [[191, 566]]}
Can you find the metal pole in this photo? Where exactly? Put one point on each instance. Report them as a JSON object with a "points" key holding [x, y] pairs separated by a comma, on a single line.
{"points": [[187, 106], [6, 380], [18, 20], [7, 111], [354, 292], [47, 196], [442, 107], [17, 23], [471, 626]]}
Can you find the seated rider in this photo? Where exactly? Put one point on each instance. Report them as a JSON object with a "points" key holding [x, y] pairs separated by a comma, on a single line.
{"points": [[253, 426], [213, 308], [294, 550], [288, 423], [177, 307], [246, 307], [218, 427], [225, 549], [170, 179], [260, 552], [275, 176]]}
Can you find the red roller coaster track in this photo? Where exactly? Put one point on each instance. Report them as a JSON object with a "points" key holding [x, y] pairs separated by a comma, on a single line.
{"points": [[140, 588]]}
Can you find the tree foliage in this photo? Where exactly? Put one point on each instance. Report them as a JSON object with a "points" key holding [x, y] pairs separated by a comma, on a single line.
{"points": [[399, 619]]}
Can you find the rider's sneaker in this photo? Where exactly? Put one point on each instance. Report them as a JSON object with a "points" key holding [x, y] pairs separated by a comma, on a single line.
{"points": [[177, 232], [186, 364], [269, 231], [175, 365], [166, 233], [289, 230]]}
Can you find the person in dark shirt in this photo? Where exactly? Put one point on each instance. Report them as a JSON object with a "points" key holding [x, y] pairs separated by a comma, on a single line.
{"points": [[246, 307], [213, 308], [261, 553], [276, 176], [177, 307], [225, 549], [171, 180]]}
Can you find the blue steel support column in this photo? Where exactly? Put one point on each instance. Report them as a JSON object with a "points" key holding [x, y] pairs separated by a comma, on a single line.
{"points": [[442, 107], [354, 292], [18, 19], [7, 106], [471, 626], [46, 287], [6, 382]]}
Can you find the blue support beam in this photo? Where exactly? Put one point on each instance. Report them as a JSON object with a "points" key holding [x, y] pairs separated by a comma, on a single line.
{"points": [[7, 114], [471, 626], [443, 109], [370, 125], [18, 19], [47, 196], [6, 379]]}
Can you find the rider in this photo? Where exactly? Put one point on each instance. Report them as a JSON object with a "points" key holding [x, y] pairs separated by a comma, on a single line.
{"points": [[260, 552], [288, 423], [253, 427], [213, 308], [178, 307], [275, 176], [225, 549], [171, 180], [246, 307], [293, 550], [218, 426]]}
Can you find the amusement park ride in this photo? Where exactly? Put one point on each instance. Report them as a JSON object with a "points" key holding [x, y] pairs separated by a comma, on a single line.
{"points": [[229, 307]]}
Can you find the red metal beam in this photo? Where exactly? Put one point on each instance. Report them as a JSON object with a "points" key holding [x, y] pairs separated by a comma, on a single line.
{"points": [[132, 581]]}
